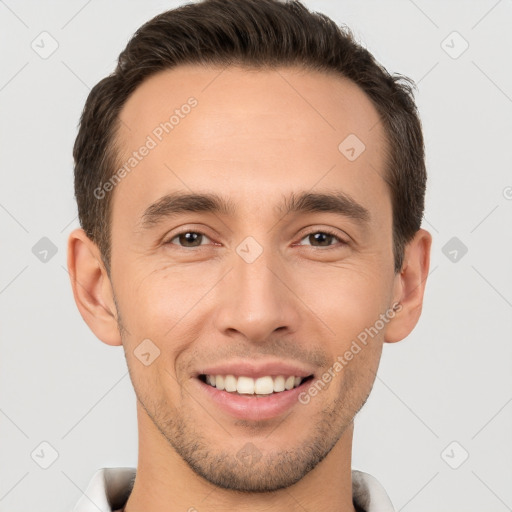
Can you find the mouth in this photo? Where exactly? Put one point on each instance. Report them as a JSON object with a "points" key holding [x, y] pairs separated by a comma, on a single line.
{"points": [[248, 386], [258, 399]]}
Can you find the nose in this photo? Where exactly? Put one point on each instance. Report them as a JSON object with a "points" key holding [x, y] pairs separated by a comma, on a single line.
{"points": [[258, 299]]}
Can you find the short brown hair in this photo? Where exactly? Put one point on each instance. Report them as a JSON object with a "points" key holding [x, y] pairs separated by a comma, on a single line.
{"points": [[249, 33]]}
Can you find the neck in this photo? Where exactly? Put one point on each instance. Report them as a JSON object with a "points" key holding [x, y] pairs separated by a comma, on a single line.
{"points": [[165, 482]]}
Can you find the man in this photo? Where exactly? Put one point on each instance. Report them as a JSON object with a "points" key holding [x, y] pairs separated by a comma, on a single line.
{"points": [[250, 184]]}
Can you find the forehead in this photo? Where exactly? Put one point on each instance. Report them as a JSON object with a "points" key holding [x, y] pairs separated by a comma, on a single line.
{"points": [[248, 131]]}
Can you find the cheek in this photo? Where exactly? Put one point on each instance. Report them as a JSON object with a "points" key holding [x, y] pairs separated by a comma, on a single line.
{"points": [[157, 301], [350, 302], [347, 299], [163, 307]]}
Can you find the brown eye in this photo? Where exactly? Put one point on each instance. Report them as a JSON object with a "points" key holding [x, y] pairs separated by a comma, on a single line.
{"points": [[322, 239], [188, 239]]}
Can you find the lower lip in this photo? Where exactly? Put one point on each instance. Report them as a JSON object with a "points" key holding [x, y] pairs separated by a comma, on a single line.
{"points": [[253, 407]]}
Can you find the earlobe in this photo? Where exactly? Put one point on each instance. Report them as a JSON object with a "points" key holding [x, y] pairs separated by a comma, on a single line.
{"points": [[410, 287], [92, 289]]}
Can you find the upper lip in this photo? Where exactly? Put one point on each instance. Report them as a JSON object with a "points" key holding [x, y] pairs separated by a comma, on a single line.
{"points": [[256, 369]]}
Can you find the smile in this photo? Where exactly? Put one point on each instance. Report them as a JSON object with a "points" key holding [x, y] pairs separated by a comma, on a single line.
{"points": [[243, 385], [257, 399]]}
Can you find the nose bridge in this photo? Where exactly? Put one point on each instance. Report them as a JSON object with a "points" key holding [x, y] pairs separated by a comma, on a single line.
{"points": [[256, 302]]}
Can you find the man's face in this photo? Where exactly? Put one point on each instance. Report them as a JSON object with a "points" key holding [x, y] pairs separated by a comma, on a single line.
{"points": [[254, 285]]}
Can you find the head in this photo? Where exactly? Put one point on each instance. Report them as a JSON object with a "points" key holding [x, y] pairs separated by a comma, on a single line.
{"points": [[254, 126]]}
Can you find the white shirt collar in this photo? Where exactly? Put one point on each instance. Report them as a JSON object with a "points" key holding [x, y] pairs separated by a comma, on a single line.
{"points": [[109, 489]]}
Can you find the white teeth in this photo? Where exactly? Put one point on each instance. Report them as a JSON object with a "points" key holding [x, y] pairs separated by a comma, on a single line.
{"points": [[290, 381], [279, 384], [245, 386], [249, 386], [219, 382], [264, 386], [230, 383]]}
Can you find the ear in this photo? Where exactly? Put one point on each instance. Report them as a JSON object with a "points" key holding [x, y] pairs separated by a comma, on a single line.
{"points": [[92, 289], [410, 286]]}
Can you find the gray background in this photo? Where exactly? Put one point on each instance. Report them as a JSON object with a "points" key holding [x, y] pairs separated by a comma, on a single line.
{"points": [[450, 381]]}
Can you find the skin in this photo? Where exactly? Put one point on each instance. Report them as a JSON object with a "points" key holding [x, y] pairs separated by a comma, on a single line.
{"points": [[252, 138]]}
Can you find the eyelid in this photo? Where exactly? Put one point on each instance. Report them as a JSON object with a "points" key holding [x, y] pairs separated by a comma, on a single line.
{"points": [[310, 231], [327, 231], [167, 239]]}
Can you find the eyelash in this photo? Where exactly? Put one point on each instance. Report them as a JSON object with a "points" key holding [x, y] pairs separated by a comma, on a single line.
{"points": [[323, 231]]}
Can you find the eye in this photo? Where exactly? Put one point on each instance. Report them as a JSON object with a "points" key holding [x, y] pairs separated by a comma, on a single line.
{"points": [[323, 238], [188, 239], [317, 239]]}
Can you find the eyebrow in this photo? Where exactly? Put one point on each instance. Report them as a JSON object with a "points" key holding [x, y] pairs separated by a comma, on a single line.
{"points": [[176, 203]]}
